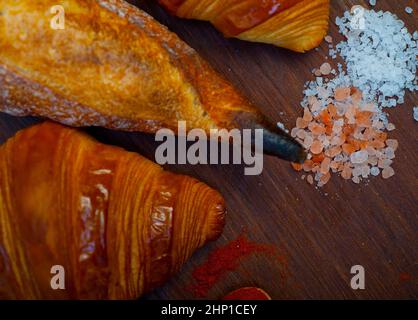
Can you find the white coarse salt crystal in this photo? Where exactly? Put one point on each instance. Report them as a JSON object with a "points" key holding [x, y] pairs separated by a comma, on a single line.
{"points": [[378, 125], [359, 156], [357, 171], [328, 39], [365, 171], [280, 125], [375, 171], [409, 10], [380, 55], [390, 153], [372, 2], [416, 113]]}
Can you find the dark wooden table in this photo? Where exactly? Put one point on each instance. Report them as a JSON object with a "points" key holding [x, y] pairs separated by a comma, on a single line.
{"points": [[322, 232]]}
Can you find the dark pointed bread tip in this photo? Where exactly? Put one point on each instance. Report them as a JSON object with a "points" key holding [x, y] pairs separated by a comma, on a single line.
{"points": [[279, 143]]}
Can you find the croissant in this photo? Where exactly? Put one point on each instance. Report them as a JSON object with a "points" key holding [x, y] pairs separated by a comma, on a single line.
{"points": [[298, 25], [112, 65], [116, 222]]}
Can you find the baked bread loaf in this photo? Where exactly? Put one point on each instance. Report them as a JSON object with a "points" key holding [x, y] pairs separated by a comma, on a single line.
{"points": [[116, 222], [112, 65], [298, 25]]}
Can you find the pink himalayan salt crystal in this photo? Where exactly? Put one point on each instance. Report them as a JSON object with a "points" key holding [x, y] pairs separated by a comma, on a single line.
{"points": [[392, 143], [370, 107], [356, 95], [316, 129], [342, 94], [324, 141], [301, 134], [350, 114], [317, 73], [346, 173], [294, 132], [325, 165], [387, 172], [329, 39], [324, 179], [308, 141], [384, 163], [373, 160], [371, 151], [310, 179], [334, 165], [300, 123], [390, 127], [307, 115], [312, 100], [345, 121], [316, 106], [325, 69], [317, 147], [332, 152], [337, 141]]}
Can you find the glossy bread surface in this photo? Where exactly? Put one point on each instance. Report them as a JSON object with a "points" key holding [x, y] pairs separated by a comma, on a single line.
{"points": [[118, 223], [299, 25], [113, 66]]}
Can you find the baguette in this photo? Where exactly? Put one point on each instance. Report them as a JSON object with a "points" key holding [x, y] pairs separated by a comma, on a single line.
{"points": [[114, 66]]}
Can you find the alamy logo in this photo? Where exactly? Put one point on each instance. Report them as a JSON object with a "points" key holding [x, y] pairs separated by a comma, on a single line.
{"points": [[241, 142], [358, 282], [58, 20], [58, 280]]}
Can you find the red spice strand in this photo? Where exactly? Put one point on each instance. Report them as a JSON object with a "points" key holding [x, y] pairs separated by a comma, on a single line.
{"points": [[404, 276], [223, 260]]}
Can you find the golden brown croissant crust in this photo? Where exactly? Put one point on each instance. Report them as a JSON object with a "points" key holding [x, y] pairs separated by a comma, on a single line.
{"points": [[114, 66], [299, 25], [118, 223]]}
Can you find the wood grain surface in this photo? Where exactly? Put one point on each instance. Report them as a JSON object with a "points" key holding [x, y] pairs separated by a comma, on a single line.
{"points": [[323, 232]]}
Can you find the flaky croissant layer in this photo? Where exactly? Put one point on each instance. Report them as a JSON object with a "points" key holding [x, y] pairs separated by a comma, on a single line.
{"points": [[298, 25], [116, 222]]}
